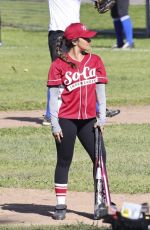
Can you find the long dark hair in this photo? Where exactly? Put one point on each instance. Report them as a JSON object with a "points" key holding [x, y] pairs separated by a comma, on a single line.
{"points": [[59, 42]]}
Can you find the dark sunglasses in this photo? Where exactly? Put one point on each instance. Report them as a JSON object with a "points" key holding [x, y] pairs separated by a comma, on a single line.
{"points": [[87, 39]]}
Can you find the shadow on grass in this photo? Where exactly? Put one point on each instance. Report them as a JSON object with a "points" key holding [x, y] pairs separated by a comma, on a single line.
{"points": [[27, 119], [44, 210], [107, 33], [110, 33]]}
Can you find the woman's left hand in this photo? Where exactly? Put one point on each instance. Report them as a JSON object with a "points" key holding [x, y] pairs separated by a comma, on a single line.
{"points": [[58, 136]]}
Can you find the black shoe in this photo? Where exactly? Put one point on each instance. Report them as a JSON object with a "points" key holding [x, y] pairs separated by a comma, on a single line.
{"points": [[46, 121], [100, 212], [112, 113], [60, 212]]}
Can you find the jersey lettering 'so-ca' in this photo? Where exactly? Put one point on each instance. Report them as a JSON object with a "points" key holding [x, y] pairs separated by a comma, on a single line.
{"points": [[87, 73]]}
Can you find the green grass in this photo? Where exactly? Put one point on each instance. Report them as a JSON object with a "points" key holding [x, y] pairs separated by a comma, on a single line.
{"points": [[63, 227], [29, 14], [28, 159], [20, 89], [24, 37], [128, 80], [34, 15]]}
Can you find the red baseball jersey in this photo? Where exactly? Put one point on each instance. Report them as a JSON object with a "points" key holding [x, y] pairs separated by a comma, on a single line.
{"points": [[77, 99]]}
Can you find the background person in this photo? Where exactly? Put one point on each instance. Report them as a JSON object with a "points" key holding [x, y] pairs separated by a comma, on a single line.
{"points": [[122, 24], [62, 14]]}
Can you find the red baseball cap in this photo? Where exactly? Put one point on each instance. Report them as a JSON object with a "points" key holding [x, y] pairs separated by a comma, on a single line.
{"points": [[78, 30]]}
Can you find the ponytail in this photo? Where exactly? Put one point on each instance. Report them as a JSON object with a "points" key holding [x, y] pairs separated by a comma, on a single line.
{"points": [[60, 53]]}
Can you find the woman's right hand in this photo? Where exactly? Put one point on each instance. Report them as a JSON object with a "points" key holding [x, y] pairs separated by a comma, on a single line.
{"points": [[58, 136]]}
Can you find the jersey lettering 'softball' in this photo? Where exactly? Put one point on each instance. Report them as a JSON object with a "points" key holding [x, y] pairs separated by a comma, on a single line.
{"points": [[78, 86]]}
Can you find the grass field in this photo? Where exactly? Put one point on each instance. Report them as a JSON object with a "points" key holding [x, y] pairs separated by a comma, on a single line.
{"points": [[24, 60], [27, 155], [28, 158], [65, 227]]}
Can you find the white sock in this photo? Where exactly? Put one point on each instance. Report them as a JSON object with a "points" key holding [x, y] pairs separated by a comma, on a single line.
{"points": [[61, 191]]}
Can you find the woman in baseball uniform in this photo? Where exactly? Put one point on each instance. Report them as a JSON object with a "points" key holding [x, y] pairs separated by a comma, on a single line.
{"points": [[62, 14], [76, 80]]}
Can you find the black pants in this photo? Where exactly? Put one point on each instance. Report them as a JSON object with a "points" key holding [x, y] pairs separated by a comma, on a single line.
{"points": [[84, 130], [52, 41], [120, 9]]}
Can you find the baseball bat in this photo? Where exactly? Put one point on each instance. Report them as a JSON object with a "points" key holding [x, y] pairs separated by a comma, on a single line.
{"points": [[101, 187]]}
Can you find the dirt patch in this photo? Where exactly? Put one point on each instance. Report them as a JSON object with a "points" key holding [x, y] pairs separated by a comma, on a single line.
{"points": [[35, 207], [129, 114]]}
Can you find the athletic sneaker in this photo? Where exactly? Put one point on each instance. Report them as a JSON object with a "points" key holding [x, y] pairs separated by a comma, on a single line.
{"points": [[112, 113], [46, 121], [127, 46], [60, 212]]}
